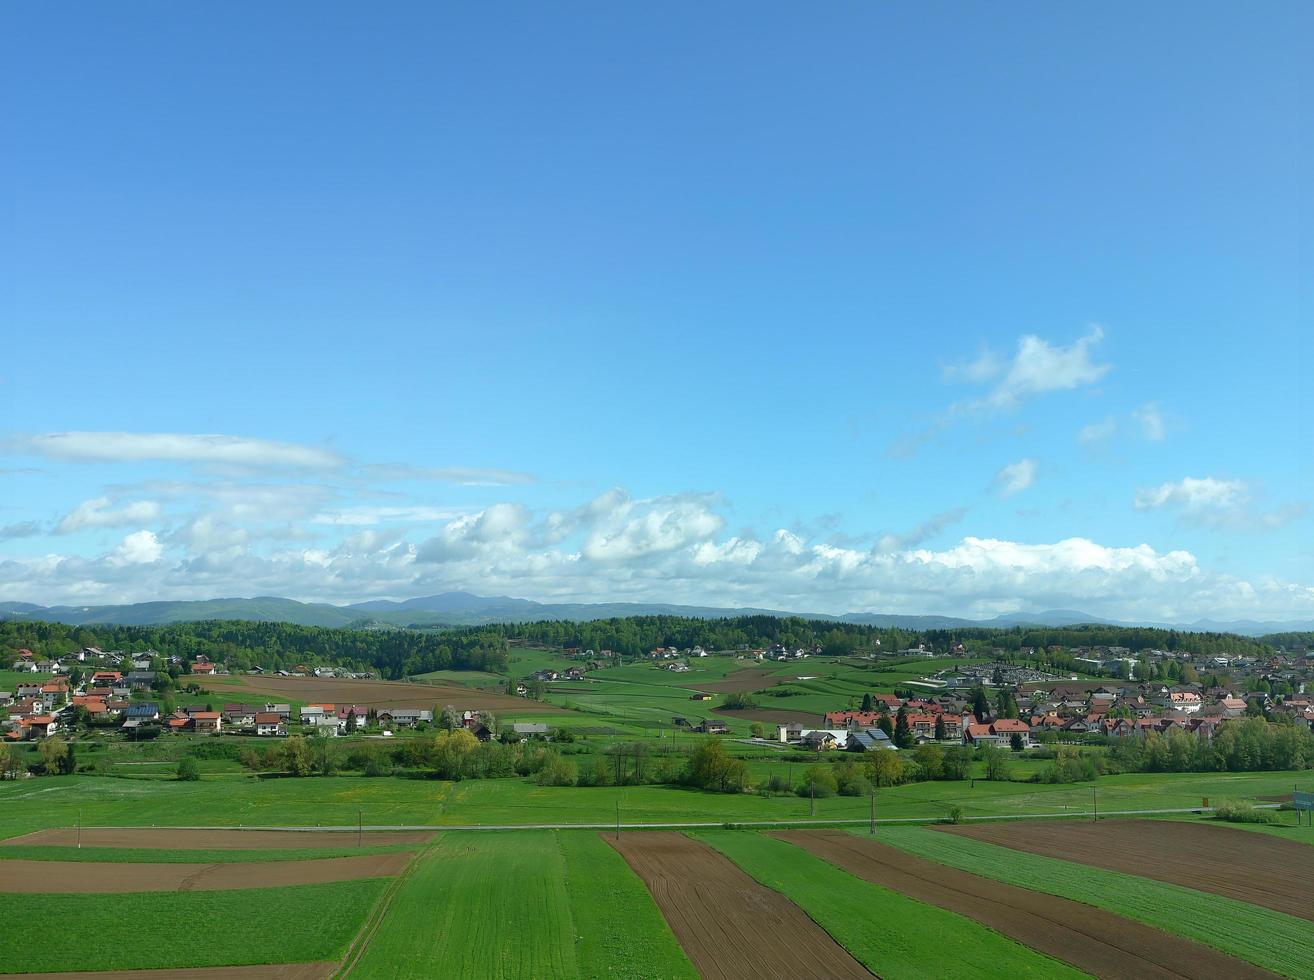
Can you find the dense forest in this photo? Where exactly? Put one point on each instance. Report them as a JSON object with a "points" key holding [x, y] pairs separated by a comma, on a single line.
{"points": [[401, 652], [273, 646]]}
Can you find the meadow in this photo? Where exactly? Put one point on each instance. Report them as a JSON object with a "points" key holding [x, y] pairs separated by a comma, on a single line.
{"points": [[343, 800]]}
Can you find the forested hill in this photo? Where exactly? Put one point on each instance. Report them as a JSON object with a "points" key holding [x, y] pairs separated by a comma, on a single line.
{"points": [[400, 652], [273, 646], [637, 635]]}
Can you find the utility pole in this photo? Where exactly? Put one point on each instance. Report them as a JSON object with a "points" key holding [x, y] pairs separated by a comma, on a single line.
{"points": [[1095, 802], [79, 828], [618, 819], [360, 828], [873, 811]]}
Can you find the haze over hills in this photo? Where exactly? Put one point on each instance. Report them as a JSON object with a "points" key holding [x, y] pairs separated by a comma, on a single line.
{"points": [[468, 609]]}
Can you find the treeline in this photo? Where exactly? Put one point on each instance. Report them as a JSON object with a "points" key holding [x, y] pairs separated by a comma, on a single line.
{"points": [[273, 646], [1134, 638]]}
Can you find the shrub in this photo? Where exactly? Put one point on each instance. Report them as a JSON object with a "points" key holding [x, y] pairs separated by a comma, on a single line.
{"points": [[1238, 811], [188, 771]]}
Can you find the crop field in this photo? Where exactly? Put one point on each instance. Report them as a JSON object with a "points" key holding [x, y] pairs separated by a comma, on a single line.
{"points": [[1263, 871], [1093, 940], [520, 904], [1276, 942], [729, 925], [895, 936], [175, 930]]}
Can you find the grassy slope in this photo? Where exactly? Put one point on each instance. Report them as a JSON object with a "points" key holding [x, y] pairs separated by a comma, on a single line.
{"points": [[522, 904], [173, 930], [143, 855], [1270, 939], [892, 935]]}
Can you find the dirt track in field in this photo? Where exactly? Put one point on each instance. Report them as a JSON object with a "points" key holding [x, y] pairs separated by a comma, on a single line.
{"points": [[83, 877], [375, 694], [210, 840], [1241, 864], [731, 927], [274, 971], [1093, 940]]}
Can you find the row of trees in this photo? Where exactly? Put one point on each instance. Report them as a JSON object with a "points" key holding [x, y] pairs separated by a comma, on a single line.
{"points": [[273, 646]]}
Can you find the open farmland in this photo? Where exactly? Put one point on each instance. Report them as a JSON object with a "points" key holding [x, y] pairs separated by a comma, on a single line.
{"points": [[1277, 942], [519, 904], [1093, 940], [1261, 870], [374, 694], [82, 877], [895, 937], [177, 930], [276, 971], [730, 926]]}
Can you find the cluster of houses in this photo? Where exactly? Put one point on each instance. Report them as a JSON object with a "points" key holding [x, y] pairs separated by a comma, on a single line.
{"points": [[1067, 710]]}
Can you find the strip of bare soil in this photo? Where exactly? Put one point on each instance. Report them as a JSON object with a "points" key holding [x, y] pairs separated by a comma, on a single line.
{"points": [[210, 840], [731, 927], [743, 681], [1255, 868], [1093, 940], [81, 877], [270, 971]]}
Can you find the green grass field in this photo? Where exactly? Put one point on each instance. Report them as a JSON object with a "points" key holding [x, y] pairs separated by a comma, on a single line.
{"points": [[1278, 942], [173, 930], [522, 904], [893, 936], [60, 801]]}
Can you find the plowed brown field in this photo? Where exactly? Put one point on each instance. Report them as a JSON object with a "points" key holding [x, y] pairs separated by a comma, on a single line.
{"points": [[1098, 942], [81, 877], [377, 694], [209, 840], [271, 971], [742, 681], [1239, 864], [731, 927]]}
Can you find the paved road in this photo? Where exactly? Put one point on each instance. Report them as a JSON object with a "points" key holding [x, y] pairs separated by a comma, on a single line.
{"points": [[694, 825]]}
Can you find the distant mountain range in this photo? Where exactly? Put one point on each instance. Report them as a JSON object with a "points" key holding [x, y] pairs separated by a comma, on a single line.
{"points": [[466, 609]]}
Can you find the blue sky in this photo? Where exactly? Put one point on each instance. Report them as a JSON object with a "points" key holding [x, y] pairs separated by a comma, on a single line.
{"points": [[944, 308]]}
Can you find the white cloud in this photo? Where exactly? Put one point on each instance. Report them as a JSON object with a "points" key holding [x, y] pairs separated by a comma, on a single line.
{"points": [[659, 549], [1015, 477], [118, 447], [1217, 503], [1039, 367], [100, 513], [1194, 495], [1153, 426], [369, 515], [1097, 431], [138, 548]]}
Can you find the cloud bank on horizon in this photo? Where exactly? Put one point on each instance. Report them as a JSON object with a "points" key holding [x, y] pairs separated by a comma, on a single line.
{"points": [[250, 516]]}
